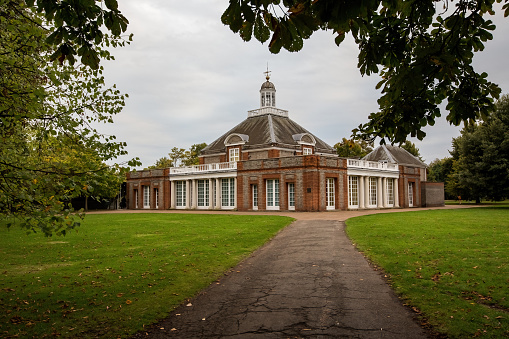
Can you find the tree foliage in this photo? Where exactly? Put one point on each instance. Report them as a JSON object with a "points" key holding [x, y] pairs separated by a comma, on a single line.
{"points": [[439, 170], [481, 158], [350, 148], [179, 157], [422, 49], [50, 151]]}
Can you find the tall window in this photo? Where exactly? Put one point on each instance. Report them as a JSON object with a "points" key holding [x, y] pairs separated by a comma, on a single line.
{"points": [[272, 194], [390, 191], [180, 193], [146, 196], [228, 192], [353, 191], [372, 191], [234, 154], [410, 194], [291, 196], [255, 196], [136, 198], [330, 196], [156, 197], [307, 151], [203, 193]]}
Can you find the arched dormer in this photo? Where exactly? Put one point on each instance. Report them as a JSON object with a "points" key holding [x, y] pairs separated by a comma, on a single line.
{"points": [[236, 139], [306, 141]]}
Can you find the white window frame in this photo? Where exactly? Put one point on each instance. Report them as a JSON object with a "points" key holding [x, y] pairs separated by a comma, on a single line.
{"points": [[373, 190], [156, 197], [180, 194], [353, 191], [203, 193], [228, 193], [255, 197], [291, 196], [234, 154], [390, 192], [136, 197], [272, 194], [410, 194], [146, 196], [307, 150], [330, 194]]}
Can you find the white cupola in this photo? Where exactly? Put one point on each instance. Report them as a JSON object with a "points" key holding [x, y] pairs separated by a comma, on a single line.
{"points": [[268, 93]]}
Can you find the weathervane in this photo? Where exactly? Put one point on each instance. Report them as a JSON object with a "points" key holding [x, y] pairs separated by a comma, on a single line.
{"points": [[267, 73]]}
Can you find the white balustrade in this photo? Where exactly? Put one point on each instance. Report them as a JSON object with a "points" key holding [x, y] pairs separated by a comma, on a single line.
{"points": [[217, 167], [356, 163]]}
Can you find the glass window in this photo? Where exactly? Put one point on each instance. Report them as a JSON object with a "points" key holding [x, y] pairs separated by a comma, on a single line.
{"points": [[390, 191], [330, 194], [156, 197], [203, 193], [234, 154], [228, 192], [255, 197], [307, 151], [410, 194], [272, 194], [291, 196], [353, 191], [372, 191], [180, 193], [135, 198], [146, 196]]}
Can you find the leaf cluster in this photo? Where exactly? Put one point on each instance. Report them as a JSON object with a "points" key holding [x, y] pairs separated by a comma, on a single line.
{"points": [[179, 157], [50, 149], [350, 148], [422, 52]]}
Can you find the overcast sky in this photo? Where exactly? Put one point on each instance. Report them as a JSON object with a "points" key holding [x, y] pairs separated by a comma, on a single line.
{"points": [[190, 79]]}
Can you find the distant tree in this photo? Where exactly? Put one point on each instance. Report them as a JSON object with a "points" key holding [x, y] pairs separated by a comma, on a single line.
{"points": [[350, 148], [191, 156], [179, 157], [481, 157], [423, 51], [163, 162], [412, 149], [439, 171]]}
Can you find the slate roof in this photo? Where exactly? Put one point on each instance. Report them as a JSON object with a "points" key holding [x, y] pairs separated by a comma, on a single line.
{"points": [[267, 130], [395, 155]]}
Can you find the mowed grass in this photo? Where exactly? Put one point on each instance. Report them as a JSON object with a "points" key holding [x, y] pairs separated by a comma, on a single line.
{"points": [[451, 265], [119, 272]]}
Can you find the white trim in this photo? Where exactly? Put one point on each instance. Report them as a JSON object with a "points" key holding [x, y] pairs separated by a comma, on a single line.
{"points": [[330, 194], [273, 193]]}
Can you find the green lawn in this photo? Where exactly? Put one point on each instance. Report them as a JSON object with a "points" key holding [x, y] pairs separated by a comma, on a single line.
{"points": [[451, 265], [119, 272]]}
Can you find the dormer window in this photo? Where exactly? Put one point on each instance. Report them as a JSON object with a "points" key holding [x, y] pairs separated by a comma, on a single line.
{"points": [[307, 151], [234, 154]]}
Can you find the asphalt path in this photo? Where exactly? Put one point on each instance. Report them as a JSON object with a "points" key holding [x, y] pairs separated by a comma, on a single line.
{"points": [[307, 282]]}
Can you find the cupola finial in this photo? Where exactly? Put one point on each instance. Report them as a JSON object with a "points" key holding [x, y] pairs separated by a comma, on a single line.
{"points": [[267, 73]]}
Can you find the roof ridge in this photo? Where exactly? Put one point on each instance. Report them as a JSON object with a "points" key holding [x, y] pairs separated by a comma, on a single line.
{"points": [[271, 129]]}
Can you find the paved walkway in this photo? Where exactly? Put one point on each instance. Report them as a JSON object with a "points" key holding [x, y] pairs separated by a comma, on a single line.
{"points": [[308, 282]]}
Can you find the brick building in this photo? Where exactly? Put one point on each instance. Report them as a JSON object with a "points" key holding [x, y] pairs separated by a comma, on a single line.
{"points": [[269, 162]]}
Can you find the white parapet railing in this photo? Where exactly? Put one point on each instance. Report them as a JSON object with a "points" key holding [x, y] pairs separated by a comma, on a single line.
{"points": [[267, 110], [383, 166], [217, 167]]}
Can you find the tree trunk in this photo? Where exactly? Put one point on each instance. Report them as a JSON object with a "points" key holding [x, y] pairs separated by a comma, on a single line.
{"points": [[86, 203]]}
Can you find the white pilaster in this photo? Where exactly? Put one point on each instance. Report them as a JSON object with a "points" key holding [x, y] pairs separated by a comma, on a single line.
{"points": [[172, 194], [188, 203], [235, 192], [384, 192], [361, 192], [218, 193], [366, 192], [194, 195], [396, 193], [379, 195]]}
